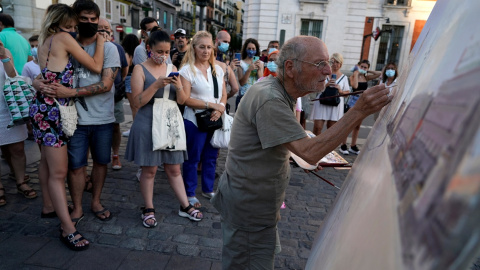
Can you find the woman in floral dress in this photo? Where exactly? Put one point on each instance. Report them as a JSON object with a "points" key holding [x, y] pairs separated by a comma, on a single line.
{"points": [[59, 26]]}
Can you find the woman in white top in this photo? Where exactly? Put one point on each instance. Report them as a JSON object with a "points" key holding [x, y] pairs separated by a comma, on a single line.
{"points": [[196, 74], [331, 114]]}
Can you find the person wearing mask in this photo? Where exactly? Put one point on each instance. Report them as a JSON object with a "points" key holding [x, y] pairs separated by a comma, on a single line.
{"points": [[31, 69], [197, 79], [119, 88], [140, 53], [14, 42], [359, 81], [273, 44], [129, 43], [59, 23], [222, 44], [180, 49], [322, 113], [95, 108], [148, 82], [250, 70]]}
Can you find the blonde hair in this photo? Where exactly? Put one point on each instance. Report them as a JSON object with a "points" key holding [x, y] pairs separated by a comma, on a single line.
{"points": [[189, 57], [56, 15], [338, 57]]}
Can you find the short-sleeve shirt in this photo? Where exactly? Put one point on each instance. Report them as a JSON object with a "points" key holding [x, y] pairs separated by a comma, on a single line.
{"points": [[100, 107], [252, 188], [31, 70], [18, 46], [202, 88], [123, 62]]}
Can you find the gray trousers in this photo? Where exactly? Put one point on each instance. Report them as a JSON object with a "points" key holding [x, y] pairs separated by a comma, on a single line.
{"points": [[249, 250]]}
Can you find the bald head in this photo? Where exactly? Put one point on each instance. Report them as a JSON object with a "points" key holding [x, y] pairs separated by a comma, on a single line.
{"points": [[301, 47], [222, 36]]}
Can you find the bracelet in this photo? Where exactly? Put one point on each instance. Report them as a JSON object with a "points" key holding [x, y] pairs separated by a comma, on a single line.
{"points": [[5, 60], [221, 103], [206, 105]]}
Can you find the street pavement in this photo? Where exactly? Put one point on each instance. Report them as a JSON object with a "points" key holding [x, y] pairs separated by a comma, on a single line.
{"points": [[29, 242]]}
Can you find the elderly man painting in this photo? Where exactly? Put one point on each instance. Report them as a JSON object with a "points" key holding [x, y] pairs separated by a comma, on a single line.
{"points": [[252, 188]]}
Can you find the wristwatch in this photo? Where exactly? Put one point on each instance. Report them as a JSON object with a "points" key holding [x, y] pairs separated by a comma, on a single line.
{"points": [[5, 60]]}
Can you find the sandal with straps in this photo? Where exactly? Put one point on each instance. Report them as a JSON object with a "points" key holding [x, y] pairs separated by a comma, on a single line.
{"points": [[3, 200], [71, 242], [149, 217], [28, 193], [194, 215]]}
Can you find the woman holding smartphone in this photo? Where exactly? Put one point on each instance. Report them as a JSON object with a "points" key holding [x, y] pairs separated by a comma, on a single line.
{"points": [[148, 81], [251, 67]]}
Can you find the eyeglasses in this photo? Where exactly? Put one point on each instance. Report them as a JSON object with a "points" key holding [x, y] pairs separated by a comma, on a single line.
{"points": [[320, 65]]}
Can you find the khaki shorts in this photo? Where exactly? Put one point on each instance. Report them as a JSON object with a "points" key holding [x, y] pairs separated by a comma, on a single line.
{"points": [[118, 111]]}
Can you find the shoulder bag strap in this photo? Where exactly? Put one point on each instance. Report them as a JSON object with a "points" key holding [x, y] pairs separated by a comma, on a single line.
{"points": [[215, 84], [166, 89]]}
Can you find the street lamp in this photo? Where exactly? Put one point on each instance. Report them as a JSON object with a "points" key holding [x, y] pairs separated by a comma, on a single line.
{"points": [[201, 4]]}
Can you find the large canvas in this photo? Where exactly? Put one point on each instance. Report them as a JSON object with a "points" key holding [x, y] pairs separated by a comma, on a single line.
{"points": [[412, 199]]}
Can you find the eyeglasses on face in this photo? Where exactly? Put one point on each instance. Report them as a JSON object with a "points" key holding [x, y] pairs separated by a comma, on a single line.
{"points": [[320, 65]]}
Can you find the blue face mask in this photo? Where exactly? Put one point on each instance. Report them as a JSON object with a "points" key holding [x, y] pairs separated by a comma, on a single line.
{"points": [[390, 72], [223, 47], [362, 71], [271, 50], [272, 66], [251, 53], [34, 52], [73, 34]]}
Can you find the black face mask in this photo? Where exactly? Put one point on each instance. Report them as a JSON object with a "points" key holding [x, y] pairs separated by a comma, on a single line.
{"points": [[73, 34], [87, 29]]}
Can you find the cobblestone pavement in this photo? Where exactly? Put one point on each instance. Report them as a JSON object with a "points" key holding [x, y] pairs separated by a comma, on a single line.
{"points": [[29, 242]]}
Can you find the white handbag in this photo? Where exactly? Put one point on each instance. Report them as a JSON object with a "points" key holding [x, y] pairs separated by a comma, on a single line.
{"points": [[221, 137], [168, 130], [68, 117]]}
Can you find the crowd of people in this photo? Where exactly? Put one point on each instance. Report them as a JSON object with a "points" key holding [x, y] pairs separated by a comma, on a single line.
{"points": [[74, 60]]}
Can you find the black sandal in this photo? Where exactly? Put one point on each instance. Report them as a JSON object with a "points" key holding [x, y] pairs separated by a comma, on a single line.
{"points": [[28, 193], [194, 215], [3, 200], [71, 242], [148, 217]]}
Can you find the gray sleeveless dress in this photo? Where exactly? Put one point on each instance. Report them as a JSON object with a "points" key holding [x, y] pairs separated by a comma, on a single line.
{"points": [[139, 146]]}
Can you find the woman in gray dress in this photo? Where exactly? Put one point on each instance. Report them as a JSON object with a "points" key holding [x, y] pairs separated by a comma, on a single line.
{"points": [[148, 80]]}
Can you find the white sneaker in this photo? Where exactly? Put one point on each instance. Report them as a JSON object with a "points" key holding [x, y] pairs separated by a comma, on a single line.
{"points": [[344, 149], [126, 133], [139, 173], [354, 150]]}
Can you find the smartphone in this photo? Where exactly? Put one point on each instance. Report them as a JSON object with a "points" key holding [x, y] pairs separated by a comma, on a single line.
{"points": [[334, 76], [173, 74], [238, 56], [255, 58]]}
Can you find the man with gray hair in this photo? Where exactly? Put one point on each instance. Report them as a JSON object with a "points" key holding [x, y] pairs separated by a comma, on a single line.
{"points": [[252, 188]]}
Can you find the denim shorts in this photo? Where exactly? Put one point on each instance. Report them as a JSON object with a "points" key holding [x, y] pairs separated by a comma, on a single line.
{"points": [[128, 86], [97, 137]]}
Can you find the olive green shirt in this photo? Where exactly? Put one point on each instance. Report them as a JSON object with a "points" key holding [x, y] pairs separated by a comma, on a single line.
{"points": [[252, 188]]}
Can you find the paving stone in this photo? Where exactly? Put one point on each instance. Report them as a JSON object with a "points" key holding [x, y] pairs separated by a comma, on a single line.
{"points": [[143, 260], [111, 229], [188, 250], [185, 239], [210, 242], [99, 258], [134, 243], [111, 240], [211, 253], [188, 263]]}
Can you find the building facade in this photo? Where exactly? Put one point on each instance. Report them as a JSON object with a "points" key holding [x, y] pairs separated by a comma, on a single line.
{"points": [[346, 26]]}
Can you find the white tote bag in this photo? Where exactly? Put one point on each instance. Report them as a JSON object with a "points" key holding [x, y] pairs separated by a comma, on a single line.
{"points": [[221, 137], [168, 130], [68, 116]]}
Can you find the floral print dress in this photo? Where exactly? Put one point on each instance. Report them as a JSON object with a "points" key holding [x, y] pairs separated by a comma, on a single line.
{"points": [[44, 112]]}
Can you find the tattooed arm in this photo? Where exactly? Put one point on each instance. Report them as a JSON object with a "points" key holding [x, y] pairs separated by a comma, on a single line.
{"points": [[60, 91]]}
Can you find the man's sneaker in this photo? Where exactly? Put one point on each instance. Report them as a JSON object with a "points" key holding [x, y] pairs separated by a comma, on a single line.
{"points": [[139, 173], [126, 133], [354, 150], [344, 149]]}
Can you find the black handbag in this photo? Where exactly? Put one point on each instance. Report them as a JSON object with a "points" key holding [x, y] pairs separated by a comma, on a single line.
{"points": [[330, 92], [204, 123]]}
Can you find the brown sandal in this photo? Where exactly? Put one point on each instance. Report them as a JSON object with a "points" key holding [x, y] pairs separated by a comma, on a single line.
{"points": [[3, 200], [28, 193]]}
